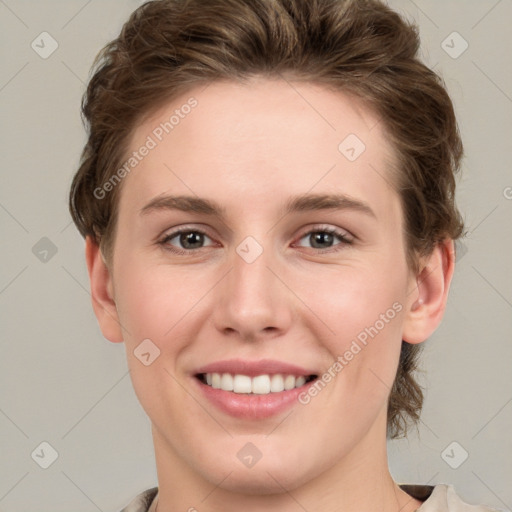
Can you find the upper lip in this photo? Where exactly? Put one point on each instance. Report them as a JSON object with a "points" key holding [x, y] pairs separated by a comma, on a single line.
{"points": [[254, 368]]}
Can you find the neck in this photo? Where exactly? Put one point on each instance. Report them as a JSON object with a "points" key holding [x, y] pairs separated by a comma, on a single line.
{"points": [[359, 481]]}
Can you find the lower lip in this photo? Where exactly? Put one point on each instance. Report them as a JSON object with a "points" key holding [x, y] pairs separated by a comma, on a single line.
{"points": [[251, 406]]}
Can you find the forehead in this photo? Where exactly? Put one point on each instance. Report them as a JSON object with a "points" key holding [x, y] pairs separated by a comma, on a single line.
{"points": [[251, 143]]}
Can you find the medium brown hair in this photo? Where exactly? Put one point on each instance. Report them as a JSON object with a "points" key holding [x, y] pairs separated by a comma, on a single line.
{"points": [[360, 47]]}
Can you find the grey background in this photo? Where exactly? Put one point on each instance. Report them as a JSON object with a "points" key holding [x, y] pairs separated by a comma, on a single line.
{"points": [[62, 383]]}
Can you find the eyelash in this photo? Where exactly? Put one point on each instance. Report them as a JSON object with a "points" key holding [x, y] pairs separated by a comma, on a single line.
{"points": [[341, 235]]}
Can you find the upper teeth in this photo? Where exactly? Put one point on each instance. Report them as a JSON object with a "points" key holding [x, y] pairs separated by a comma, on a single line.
{"points": [[260, 385]]}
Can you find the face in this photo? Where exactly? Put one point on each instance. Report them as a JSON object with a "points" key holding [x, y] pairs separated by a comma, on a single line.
{"points": [[284, 257]]}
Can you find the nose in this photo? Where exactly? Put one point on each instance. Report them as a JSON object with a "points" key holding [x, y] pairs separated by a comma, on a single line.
{"points": [[252, 302]]}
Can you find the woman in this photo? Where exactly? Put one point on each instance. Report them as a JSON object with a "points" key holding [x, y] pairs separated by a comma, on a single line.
{"points": [[267, 197]]}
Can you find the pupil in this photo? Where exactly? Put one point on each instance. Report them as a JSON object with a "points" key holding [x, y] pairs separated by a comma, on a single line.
{"points": [[191, 240], [322, 238]]}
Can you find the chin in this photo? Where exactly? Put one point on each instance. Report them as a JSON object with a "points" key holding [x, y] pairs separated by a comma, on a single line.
{"points": [[262, 481], [269, 475]]}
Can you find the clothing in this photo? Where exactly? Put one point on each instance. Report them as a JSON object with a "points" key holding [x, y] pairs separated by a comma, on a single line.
{"points": [[439, 498]]}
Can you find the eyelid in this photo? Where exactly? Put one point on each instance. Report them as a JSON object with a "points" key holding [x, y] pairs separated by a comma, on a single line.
{"points": [[176, 230], [342, 233]]}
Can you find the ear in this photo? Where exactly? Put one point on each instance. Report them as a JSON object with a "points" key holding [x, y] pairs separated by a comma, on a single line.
{"points": [[102, 292], [427, 301]]}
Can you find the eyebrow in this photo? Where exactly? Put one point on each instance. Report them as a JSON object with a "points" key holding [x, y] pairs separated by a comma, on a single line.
{"points": [[302, 203]]}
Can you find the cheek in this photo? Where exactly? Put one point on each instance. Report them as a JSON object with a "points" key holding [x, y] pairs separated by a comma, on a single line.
{"points": [[363, 311], [152, 305], [350, 299], [155, 306], [152, 301]]}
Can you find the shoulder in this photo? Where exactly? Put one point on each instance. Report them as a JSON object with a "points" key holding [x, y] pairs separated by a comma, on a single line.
{"points": [[142, 502], [442, 498], [439, 498]]}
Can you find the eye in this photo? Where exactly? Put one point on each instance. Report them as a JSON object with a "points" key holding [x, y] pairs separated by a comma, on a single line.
{"points": [[188, 240], [325, 238]]}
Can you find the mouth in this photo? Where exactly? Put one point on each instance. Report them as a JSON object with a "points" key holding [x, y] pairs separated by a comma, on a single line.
{"points": [[253, 389], [254, 385]]}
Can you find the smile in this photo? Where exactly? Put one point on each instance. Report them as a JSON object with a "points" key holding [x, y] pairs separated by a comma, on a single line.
{"points": [[252, 390], [258, 385]]}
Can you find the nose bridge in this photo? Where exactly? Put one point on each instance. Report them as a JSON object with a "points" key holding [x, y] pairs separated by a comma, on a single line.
{"points": [[251, 282], [251, 299]]}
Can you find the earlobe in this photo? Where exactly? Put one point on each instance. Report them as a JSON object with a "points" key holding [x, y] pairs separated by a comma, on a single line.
{"points": [[102, 292], [427, 303]]}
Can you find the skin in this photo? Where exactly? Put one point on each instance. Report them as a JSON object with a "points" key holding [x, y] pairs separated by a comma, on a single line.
{"points": [[250, 148]]}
